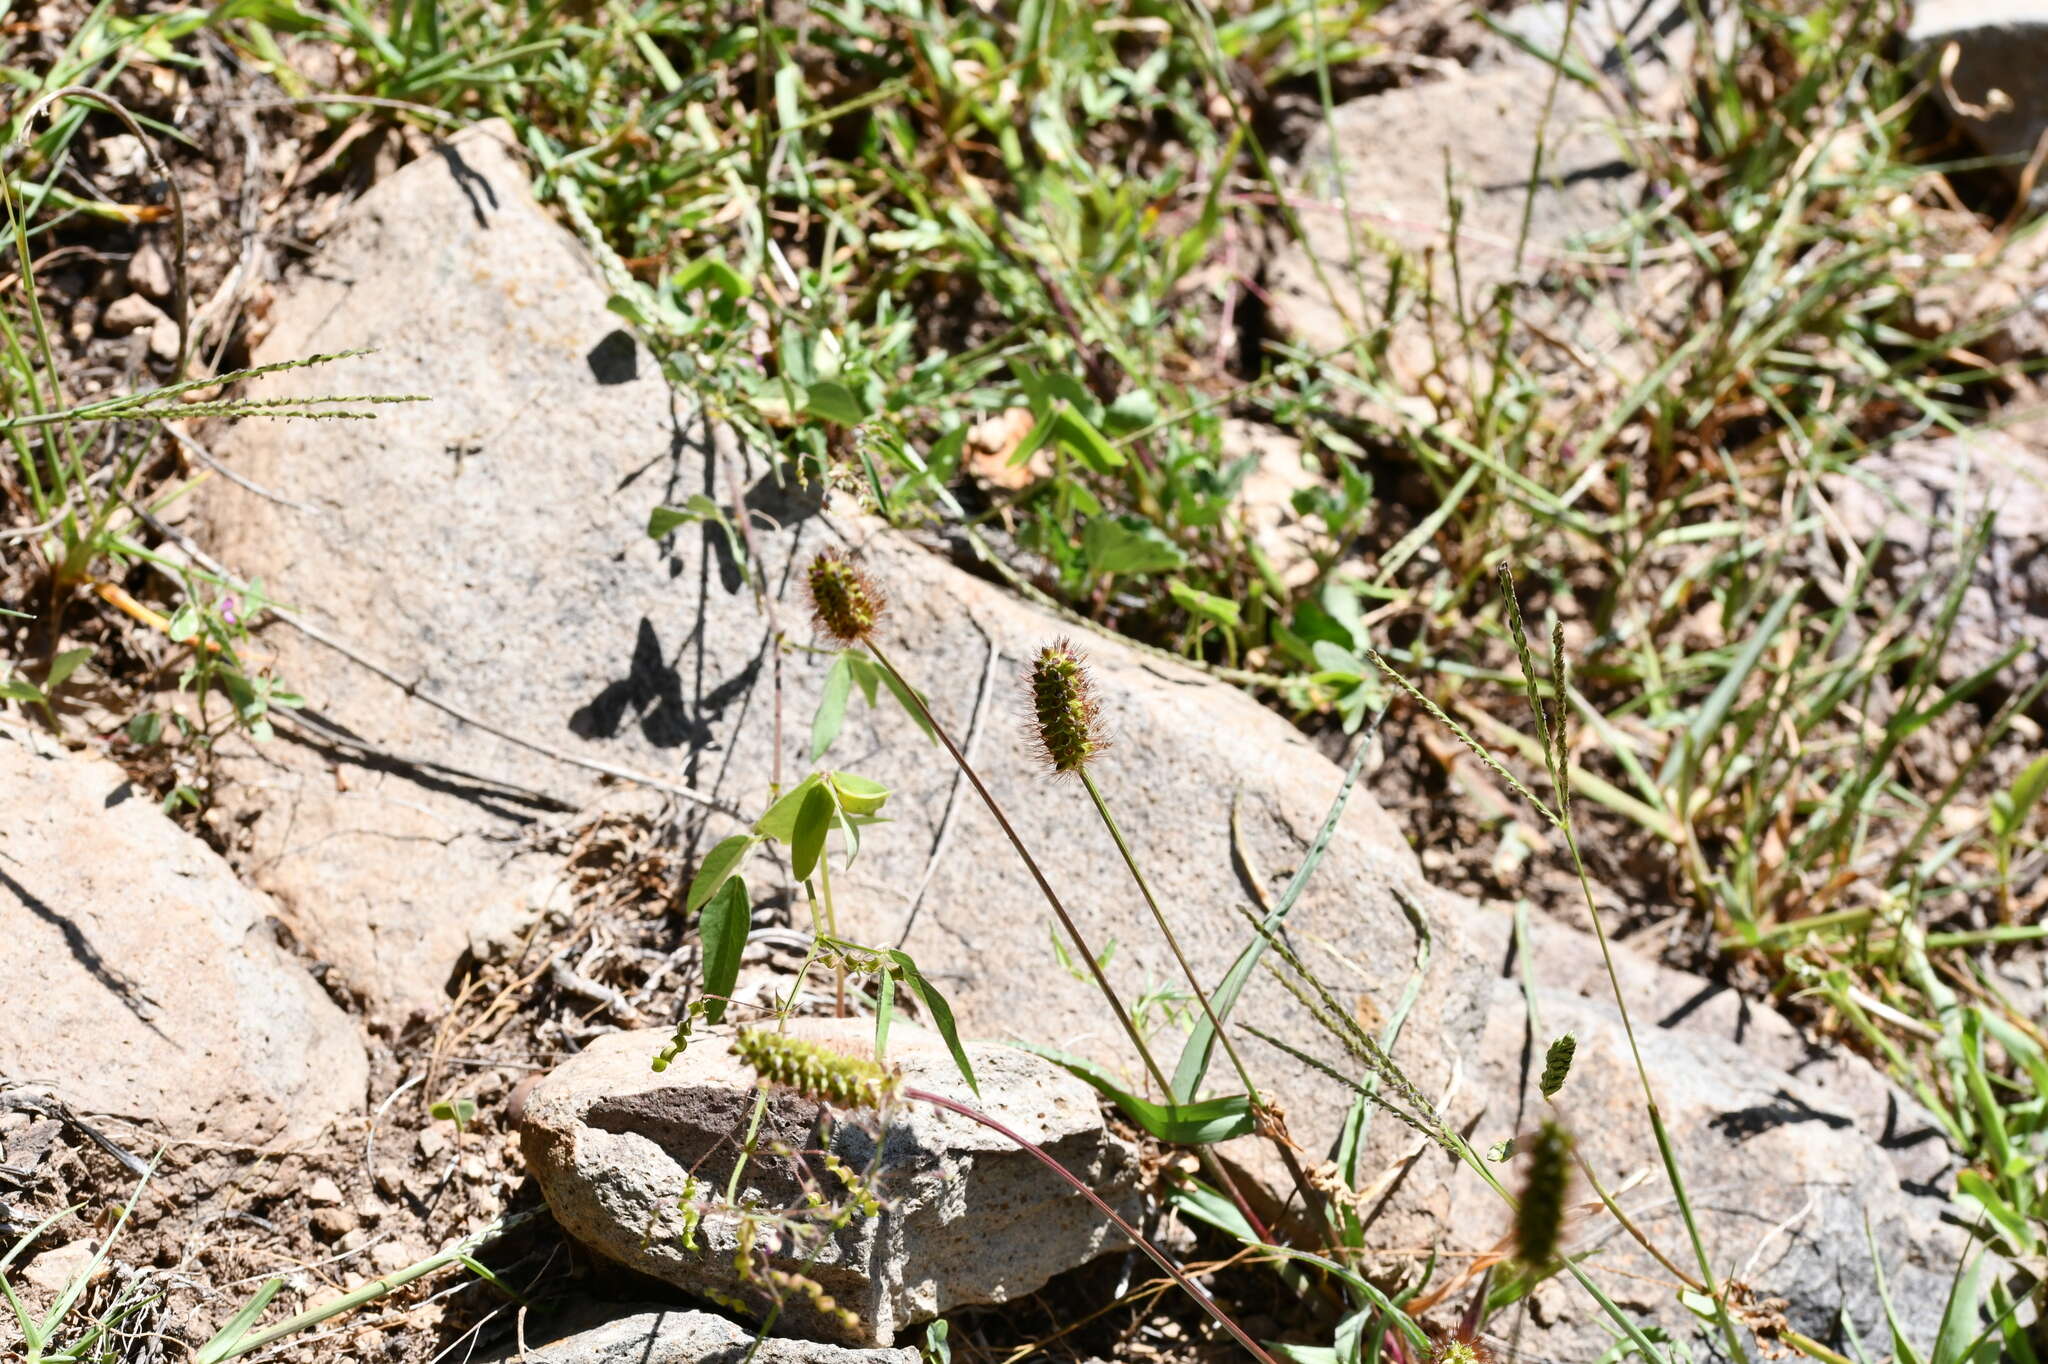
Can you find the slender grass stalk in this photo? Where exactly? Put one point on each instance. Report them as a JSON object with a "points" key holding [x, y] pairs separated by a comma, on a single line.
{"points": [[1052, 898], [1557, 751], [1137, 1238], [458, 1253], [1310, 1197]]}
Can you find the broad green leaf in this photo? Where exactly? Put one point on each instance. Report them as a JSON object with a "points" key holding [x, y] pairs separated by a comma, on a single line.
{"points": [[858, 795], [722, 861], [664, 519], [145, 728], [1064, 427], [2011, 808], [780, 821], [1334, 661], [1959, 1316], [834, 402], [831, 715], [723, 929], [1973, 1185], [709, 272], [1221, 610], [1194, 1056], [1132, 410], [16, 689], [813, 822], [62, 666], [1188, 1124], [936, 1008], [184, 623], [909, 703], [1128, 544]]}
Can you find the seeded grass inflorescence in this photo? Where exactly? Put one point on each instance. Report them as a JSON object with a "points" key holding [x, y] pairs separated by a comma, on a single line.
{"points": [[1066, 720], [1539, 1220], [814, 1071], [844, 599]]}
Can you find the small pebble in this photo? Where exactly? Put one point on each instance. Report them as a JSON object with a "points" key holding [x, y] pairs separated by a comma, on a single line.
{"points": [[433, 1141], [149, 272], [163, 339], [53, 1270], [323, 1193], [392, 1256], [130, 313], [331, 1224]]}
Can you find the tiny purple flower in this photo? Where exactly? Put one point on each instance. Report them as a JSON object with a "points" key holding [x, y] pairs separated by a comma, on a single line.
{"points": [[230, 609]]}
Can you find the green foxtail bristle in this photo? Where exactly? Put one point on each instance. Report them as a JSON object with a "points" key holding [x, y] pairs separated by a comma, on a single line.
{"points": [[1557, 1064], [1539, 1221], [812, 1070], [1064, 715], [844, 599]]}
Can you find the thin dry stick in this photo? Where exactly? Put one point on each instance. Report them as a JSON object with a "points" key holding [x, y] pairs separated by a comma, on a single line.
{"points": [[414, 690], [931, 864]]}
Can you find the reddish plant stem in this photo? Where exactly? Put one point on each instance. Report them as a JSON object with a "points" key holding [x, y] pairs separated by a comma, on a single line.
{"points": [[1157, 1256]]}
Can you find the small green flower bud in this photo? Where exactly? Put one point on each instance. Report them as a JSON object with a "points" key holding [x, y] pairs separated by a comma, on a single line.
{"points": [[1065, 719], [844, 600]]}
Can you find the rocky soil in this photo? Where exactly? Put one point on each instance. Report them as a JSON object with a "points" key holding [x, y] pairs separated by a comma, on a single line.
{"points": [[451, 878]]}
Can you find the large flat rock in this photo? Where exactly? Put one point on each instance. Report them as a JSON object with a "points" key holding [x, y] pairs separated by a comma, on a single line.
{"points": [[1786, 1148], [1997, 91], [673, 1335], [965, 1218], [145, 982], [1376, 183], [490, 544]]}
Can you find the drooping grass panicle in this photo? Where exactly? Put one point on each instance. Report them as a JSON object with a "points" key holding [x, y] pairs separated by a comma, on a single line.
{"points": [[844, 600], [1539, 1218], [1560, 683], [1463, 736], [814, 1071], [1066, 720], [1523, 654]]}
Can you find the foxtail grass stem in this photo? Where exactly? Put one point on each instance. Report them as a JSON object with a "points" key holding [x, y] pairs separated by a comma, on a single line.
{"points": [[1137, 1238], [1045, 887], [1308, 1195]]}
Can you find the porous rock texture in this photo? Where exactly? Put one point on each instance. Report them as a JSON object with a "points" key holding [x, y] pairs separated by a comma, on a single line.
{"points": [[966, 1216], [672, 1335], [1786, 1147], [151, 985], [490, 545], [1370, 188], [1913, 506]]}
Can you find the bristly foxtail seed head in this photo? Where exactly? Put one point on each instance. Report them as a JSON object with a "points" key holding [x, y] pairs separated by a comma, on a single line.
{"points": [[1539, 1220], [844, 599], [814, 1071], [1557, 1064], [1064, 714]]}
